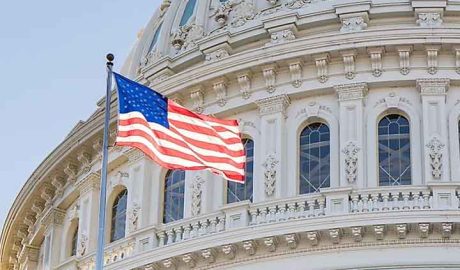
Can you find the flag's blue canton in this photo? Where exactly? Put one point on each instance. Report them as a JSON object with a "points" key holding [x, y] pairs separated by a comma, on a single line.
{"points": [[135, 97]]}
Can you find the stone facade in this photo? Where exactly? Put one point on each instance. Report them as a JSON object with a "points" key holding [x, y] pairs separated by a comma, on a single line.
{"points": [[278, 66]]}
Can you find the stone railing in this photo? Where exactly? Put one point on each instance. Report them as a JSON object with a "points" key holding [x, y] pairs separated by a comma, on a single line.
{"points": [[191, 228], [114, 252], [295, 208], [391, 199], [331, 203]]}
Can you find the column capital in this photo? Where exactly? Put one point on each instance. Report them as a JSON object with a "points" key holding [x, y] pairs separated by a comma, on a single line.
{"points": [[433, 87], [275, 104], [90, 182], [53, 217], [351, 91], [133, 155]]}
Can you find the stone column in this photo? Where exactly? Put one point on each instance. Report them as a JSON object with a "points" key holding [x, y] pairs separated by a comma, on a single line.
{"points": [[435, 157], [141, 178], [53, 222], [352, 130], [272, 111], [89, 212]]}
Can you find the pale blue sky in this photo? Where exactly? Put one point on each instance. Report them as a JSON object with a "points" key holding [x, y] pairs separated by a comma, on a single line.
{"points": [[52, 71]]}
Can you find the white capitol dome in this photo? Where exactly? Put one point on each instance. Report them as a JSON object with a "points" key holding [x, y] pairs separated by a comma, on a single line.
{"points": [[350, 115]]}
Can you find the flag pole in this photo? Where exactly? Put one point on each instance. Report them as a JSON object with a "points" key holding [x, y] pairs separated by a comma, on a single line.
{"points": [[105, 154]]}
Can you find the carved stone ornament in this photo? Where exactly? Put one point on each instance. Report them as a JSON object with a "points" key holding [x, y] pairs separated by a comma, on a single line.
{"points": [[185, 37], [351, 161], [197, 97], [270, 170], [71, 171], [295, 69], [376, 60], [404, 59], [429, 19], [393, 101], [229, 251], [243, 11], [217, 55], [351, 91], [353, 24], [197, 190], [313, 109], [133, 216], [222, 13], [58, 182], [432, 59], [244, 80], [349, 64], [220, 88], [269, 73], [295, 4], [435, 151], [322, 62], [85, 160], [280, 37], [250, 247], [82, 244], [273, 104]]}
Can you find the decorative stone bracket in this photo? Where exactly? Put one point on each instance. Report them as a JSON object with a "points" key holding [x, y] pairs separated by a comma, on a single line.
{"points": [[351, 161]]}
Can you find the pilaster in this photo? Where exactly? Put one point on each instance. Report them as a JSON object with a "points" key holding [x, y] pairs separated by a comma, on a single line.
{"points": [[53, 221], [140, 171], [272, 111], [351, 114], [436, 163], [89, 206]]}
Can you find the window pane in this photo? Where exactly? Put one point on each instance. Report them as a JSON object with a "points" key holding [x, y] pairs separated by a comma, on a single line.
{"points": [[394, 151], [155, 38], [174, 196], [73, 251], [119, 216], [237, 192], [188, 12], [314, 158]]}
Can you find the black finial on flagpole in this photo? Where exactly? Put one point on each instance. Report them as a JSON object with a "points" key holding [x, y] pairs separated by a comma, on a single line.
{"points": [[110, 57]]}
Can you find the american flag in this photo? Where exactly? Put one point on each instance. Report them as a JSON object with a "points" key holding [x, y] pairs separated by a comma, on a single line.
{"points": [[175, 137]]}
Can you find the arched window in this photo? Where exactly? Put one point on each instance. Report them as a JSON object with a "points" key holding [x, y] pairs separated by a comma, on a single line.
{"points": [[240, 192], [155, 37], [188, 12], [119, 216], [174, 196], [314, 158], [74, 242], [394, 151]]}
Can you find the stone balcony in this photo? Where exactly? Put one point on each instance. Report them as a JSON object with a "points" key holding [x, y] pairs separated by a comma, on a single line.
{"points": [[334, 216]]}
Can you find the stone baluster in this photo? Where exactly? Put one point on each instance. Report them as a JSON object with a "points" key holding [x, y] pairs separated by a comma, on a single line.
{"points": [[187, 230], [195, 229], [271, 216], [263, 215], [221, 224], [253, 213], [416, 200], [161, 238], [385, 197], [426, 200], [311, 208], [322, 206], [170, 235], [291, 211], [406, 197], [375, 202], [365, 200], [282, 212], [301, 210], [178, 232], [354, 203], [213, 227]]}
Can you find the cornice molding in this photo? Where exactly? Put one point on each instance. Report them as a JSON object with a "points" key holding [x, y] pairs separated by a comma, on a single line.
{"points": [[351, 91], [433, 87], [272, 105]]}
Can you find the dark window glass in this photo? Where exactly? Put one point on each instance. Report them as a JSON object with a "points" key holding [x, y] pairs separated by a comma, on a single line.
{"points": [[314, 158], [174, 196], [119, 216], [155, 38], [74, 243], [237, 192], [188, 12], [394, 151]]}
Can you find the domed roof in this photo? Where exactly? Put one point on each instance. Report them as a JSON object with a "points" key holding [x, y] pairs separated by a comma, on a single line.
{"points": [[178, 27]]}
